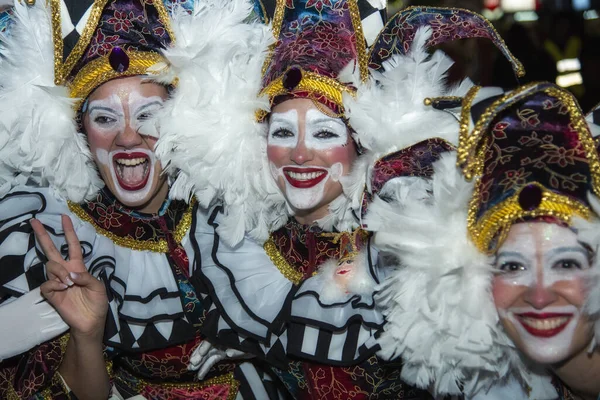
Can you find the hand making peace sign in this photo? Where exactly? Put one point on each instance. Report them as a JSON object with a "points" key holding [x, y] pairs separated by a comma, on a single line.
{"points": [[79, 298]]}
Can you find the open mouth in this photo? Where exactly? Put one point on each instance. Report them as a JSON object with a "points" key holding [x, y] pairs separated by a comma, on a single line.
{"points": [[544, 325], [304, 177], [132, 170]]}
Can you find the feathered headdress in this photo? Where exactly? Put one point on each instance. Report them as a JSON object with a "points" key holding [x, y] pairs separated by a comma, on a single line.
{"points": [[54, 56], [321, 53], [441, 316]]}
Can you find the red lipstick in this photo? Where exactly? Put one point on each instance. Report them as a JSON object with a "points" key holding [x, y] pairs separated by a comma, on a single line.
{"points": [[120, 168], [304, 178], [544, 324]]}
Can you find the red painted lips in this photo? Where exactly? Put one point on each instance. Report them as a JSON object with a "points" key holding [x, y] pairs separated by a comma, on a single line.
{"points": [[132, 170], [304, 178], [544, 324]]}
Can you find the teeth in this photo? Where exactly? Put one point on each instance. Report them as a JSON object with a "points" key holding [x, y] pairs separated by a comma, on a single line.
{"points": [[544, 324], [304, 176], [134, 172], [131, 161]]}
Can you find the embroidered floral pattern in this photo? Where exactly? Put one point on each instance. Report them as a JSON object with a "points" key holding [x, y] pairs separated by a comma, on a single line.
{"points": [[416, 160], [316, 35], [306, 248], [534, 141], [127, 24], [107, 213], [368, 380], [28, 375], [446, 25]]}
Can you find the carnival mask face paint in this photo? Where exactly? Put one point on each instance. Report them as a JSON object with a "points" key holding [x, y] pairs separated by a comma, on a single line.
{"points": [[540, 291], [308, 153], [124, 156]]}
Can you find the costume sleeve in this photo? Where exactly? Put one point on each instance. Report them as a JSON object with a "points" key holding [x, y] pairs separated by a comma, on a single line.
{"points": [[258, 310], [32, 344]]}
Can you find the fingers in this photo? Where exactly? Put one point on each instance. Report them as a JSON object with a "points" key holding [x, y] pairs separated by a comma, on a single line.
{"points": [[200, 352], [49, 289], [44, 240], [72, 239], [208, 364], [86, 279], [57, 272]]}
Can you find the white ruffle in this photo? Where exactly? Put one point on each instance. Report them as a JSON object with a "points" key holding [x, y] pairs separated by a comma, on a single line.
{"points": [[256, 298], [247, 287]]}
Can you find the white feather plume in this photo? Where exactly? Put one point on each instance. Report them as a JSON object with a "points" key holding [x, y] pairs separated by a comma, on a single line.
{"points": [[39, 140], [208, 133], [388, 112], [440, 313], [588, 232], [209, 136]]}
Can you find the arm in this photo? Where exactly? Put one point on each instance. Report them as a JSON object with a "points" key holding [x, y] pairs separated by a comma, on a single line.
{"points": [[82, 302]]}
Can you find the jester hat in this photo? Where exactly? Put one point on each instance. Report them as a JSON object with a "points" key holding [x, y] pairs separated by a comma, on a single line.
{"points": [[54, 55]]}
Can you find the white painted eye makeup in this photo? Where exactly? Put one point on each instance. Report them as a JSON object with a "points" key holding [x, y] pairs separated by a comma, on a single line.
{"points": [[283, 129], [106, 115], [142, 108], [323, 132]]}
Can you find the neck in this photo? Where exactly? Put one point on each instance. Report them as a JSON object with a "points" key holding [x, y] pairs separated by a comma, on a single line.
{"points": [[581, 373], [309, 217], [153, 205]]}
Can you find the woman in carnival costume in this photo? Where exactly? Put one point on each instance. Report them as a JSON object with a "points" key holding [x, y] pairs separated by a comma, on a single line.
{"points": [[80, 82], [499, 278], [291, 177]]}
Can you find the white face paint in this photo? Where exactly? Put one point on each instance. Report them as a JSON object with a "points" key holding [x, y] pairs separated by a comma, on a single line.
{"points": [[322, 132], [542, 268], [305, 185], [132, 170]]}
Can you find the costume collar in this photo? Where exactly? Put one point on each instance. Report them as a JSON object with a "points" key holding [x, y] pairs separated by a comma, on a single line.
{"points": [[133, 229]]}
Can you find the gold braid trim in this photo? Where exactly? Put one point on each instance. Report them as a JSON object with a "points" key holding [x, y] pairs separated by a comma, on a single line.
{"points": [[99, 71], [497, 221], [160, 246], [312, 83], [361, 42], [226, 379], [466, 142], [62, 70], [280, 262]]}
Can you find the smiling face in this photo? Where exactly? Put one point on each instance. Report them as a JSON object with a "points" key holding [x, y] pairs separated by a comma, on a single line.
{"points": [[124, 156], [308, 152], [540, 291]]}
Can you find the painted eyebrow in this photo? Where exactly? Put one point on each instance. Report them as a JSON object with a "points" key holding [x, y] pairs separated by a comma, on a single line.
{"points": [[321, 120], [100, 108], [281, 123], [510, 254], [155, 102], [567, 249]]}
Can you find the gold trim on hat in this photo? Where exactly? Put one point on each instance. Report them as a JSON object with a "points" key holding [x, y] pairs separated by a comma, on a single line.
{"points": [[99, 71], [497, 221], [62, 70], [310, 82]]}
